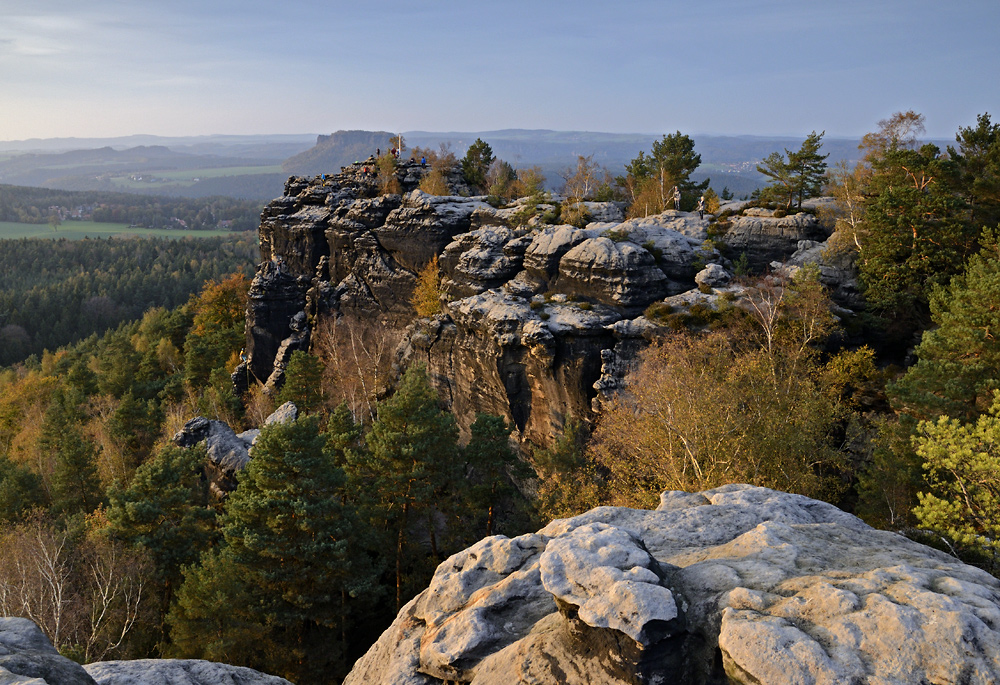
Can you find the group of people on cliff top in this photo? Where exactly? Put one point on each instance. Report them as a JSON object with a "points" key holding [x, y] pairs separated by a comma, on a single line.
{"points": [[675, 193]]}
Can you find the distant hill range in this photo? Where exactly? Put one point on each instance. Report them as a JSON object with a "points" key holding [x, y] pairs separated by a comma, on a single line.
{"points": [[729, 161], [255, 167], [337, 150], [246, 167]]}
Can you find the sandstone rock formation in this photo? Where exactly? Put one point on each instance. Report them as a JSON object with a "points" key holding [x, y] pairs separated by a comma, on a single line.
{"points": [[27, 656], [177, 672], [737, 584], [228, 453], [535, 317], [765, 238]]}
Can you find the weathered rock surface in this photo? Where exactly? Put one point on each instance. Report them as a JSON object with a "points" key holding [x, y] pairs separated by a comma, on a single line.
{"points": [[27, 656], [177, 672], [514, 337], [737, 584], [713, 276], [837, 271], [619, 274], [765, 238], [228, 453]]}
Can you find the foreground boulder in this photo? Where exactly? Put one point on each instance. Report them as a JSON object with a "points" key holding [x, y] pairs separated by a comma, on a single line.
{"points": [[737, 584], [27, 656]]}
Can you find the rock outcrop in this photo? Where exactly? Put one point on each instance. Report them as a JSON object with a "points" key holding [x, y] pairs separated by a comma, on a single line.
{"points": [[28, 657], [177, 672], [764, 238], [535, 317], [228, 452], [733, 585]]}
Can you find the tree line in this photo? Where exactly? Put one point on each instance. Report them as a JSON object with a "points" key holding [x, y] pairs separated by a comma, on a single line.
{"points": [[40, 205], [59, 291]]}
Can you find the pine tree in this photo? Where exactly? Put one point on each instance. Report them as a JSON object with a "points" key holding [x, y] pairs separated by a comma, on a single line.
{"points": [[798, 178], [476, 164], [494, 463], [808, 167], [303, 382], [20, 490], [288, 536], [978, 159], [411, 462], [916, 233], [136, 424], [650, 178], [165, 511], [75, 485], [962, 471], [958, 360]]}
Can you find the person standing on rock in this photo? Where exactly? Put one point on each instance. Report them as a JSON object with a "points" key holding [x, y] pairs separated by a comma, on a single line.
{"points": [[701, 207], [677, 198]]}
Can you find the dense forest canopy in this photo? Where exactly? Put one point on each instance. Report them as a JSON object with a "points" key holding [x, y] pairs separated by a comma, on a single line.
{"points": [[59, 291]]}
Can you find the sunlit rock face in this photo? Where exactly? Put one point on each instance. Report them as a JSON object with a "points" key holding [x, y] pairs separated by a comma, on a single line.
{"points": [[733, 585], [538, 321]]}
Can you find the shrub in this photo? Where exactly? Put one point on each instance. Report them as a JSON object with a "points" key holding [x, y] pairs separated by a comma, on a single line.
{"points": [[576, 215], [711, 201], [435, 183], [426, 298], [741, 267], [658, 312]]}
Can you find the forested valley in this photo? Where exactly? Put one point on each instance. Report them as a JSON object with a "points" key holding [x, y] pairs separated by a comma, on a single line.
{"points": [[58, 291], [113, 543], [42, 205]]}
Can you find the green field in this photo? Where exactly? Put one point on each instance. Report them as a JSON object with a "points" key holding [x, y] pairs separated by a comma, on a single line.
{"points": [[77, 230], [186, 177]]}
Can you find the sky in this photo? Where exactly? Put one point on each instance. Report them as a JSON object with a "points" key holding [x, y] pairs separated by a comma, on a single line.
{"points": [[105, 68]]}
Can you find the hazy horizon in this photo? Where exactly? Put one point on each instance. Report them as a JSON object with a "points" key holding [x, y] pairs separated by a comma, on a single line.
{"points": [[105, 69]]}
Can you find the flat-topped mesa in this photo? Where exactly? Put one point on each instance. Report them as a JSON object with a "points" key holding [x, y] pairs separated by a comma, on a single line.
{"points": [[537, 320]]}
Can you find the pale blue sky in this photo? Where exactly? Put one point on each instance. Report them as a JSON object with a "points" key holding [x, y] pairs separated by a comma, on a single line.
{"points": [[764, 67]]}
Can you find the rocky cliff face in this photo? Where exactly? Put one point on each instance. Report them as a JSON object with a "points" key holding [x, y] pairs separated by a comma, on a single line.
{"points": [[538, 320], [733, 585]]}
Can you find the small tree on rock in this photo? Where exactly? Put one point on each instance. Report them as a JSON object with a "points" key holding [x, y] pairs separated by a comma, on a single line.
{"points": [[476, 164]]}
